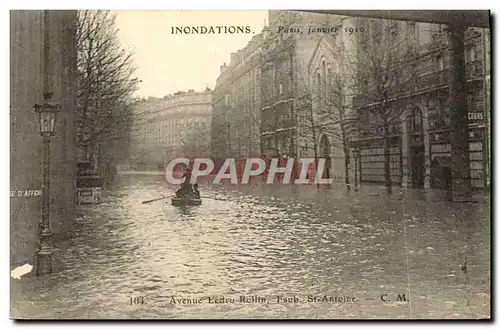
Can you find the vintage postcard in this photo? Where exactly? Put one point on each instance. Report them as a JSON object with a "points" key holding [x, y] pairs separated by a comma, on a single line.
{"points": [[273, 164]]}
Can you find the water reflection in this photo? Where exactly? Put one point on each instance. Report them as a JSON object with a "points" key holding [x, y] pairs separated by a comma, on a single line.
{"points": [[185, 212]]}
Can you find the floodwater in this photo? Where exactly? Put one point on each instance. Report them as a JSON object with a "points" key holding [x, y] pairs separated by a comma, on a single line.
{"points": [[267, 253]]}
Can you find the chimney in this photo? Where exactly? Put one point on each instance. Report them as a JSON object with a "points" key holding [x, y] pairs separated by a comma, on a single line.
{"points": [[265, 31], [234, 58], [223, 68]]}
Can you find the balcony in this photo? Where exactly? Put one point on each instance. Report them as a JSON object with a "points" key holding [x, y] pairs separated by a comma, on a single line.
{"points": [[424, 82], [474, 71], [433, 80]]}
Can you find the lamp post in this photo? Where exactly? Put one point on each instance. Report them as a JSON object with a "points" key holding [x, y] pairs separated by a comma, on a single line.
{"points": [[47, 116]]}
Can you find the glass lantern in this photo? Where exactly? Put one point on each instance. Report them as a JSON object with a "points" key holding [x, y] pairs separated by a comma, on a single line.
{"points": [[47, 117]]}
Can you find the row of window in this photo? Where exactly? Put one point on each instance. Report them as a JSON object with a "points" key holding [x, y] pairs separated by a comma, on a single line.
{"points": [[441, 64], [174, 124], [278, 145], [279, 118], [277, 80], [438, 116], [419, 33], [324, 82]]}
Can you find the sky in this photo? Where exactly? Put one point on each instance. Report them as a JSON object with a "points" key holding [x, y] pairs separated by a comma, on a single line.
{"points": [[168, 62]]}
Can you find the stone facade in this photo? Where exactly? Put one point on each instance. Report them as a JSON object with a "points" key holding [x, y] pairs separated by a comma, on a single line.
{"points": [[301, 114], [177, 125], [420, 139], [331, 100], [236, 109]]}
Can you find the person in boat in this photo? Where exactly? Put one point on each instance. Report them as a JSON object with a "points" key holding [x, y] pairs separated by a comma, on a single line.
{"points": [[186, 189], [196, 192]]}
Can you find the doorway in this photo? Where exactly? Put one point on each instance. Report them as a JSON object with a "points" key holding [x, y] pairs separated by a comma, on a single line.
{"points": [[417, 166], [441, 173]]}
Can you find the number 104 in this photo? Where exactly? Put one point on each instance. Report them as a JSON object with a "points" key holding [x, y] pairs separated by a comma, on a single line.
{"points": [[136, 300]]}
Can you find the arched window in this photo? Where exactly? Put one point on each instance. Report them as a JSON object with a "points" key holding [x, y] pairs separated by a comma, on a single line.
{"points": [[472, 54], [416, 120], [273, 79], [323, 82], [318, 84], [330, 87]]}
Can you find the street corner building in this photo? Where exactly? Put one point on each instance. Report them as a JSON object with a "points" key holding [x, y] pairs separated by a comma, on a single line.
{"points": [[42, 60], [177, 125]]}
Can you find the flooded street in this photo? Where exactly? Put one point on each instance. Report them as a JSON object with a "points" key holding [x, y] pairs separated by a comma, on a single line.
{"points": [[269, 252]]}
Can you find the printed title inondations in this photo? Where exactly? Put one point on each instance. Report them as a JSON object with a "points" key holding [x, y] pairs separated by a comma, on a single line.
{"points": [[218, 29], [233, 29]]}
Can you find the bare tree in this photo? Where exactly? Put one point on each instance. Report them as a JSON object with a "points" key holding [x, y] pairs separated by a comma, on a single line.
{"points": [[338, 122], [308, 125], [105, 82], [325, 107], [387, 73]]}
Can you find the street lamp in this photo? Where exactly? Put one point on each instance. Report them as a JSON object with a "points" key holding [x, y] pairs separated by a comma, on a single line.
{"points": [[47, 116]]}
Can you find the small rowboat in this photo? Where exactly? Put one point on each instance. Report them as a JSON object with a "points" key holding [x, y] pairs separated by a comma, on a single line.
{"points": [[186, 202]]}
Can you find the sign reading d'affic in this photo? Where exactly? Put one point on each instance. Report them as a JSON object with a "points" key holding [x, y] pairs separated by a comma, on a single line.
{"points": [[25, 193]]}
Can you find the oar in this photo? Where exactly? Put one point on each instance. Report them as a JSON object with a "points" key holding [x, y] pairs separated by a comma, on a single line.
{"points": [[148, 201], [217, 199]]}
